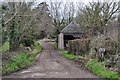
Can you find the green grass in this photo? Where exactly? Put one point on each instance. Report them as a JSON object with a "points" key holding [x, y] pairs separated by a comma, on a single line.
{"points": [[4, 47], [22, 60], [37, 49], [70, 55], [99, 69]]}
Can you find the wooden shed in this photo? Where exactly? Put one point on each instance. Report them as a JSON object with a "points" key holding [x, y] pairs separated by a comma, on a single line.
{"points": [[70, 32]]}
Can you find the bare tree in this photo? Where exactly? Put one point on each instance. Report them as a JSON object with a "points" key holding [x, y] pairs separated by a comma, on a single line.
{"points": [[44, 18], [62, 13], [96, 15]]}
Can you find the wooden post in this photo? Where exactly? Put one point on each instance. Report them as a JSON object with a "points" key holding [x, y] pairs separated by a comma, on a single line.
{"points": [[77, 47], [69, 46]]}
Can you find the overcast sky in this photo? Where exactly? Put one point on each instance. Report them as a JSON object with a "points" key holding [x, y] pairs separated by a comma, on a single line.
{"points": [[48, 0], [85, 1]]}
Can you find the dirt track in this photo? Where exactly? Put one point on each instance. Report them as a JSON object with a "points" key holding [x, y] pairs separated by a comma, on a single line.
{"points": [[50, 64]]}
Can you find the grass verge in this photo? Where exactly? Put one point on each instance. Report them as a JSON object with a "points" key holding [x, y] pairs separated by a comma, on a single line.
{"points": [[94, 66], [98, 69], [70, 55], [21, 61]]}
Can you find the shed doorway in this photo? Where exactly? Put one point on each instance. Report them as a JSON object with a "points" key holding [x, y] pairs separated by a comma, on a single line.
{"points": [[66, 39]]}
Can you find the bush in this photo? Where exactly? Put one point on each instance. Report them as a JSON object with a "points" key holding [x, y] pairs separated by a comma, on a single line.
{"points": [[22, 60], [27, 40], [4, 47], [99, 69]]}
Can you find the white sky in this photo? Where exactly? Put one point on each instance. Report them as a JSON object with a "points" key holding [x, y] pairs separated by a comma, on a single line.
{"points": [[64, 1], [85, 1]]}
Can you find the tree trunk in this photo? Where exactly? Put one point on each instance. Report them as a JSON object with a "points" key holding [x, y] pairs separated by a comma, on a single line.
{"points": [[14, 44], [119, 44]]}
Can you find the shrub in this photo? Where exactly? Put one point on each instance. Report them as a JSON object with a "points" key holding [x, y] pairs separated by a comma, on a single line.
{"points": [[4, 47], [18, 59]]}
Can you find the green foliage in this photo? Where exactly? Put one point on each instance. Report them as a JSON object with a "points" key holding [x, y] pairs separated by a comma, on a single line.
{"points": [[19, 59], [11, 67], [69, 56], [22, 60], [99, 69], [5, 47], [94, 66], [17, 62], [37, 49]]}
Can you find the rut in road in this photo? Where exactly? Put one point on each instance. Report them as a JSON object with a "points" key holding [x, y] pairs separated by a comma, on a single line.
{"points": [[50, 64]]}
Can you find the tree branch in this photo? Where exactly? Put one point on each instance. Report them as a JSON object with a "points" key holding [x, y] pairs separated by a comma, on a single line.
{"points": [[11, 18]]}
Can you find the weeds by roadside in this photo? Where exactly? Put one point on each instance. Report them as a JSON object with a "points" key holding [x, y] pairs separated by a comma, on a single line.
{"points": [[21, 61], [99, 69]]}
